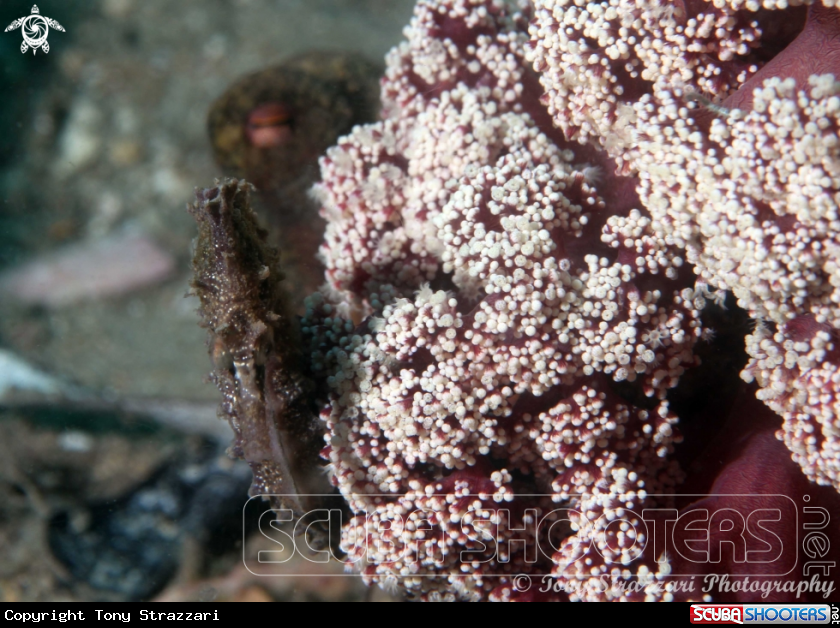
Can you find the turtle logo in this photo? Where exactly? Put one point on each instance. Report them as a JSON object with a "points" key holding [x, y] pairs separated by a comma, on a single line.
{"points": [[35, 28]]}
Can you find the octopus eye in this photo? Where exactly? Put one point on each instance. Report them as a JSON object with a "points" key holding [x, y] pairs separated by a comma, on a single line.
{"points": [[269, 125]]}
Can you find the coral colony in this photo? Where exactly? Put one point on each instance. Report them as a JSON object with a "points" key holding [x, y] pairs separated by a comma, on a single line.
{"points": [[518, 255]]}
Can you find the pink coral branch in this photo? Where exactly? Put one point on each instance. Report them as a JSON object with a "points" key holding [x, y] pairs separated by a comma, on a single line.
{"points": [[508, 305]]}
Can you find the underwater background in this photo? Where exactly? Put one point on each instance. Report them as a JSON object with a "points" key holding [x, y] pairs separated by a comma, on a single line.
{"points": [[114, 482]]}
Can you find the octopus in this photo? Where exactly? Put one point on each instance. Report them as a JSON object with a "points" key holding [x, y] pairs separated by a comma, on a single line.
{"points": [[270, 128]]}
